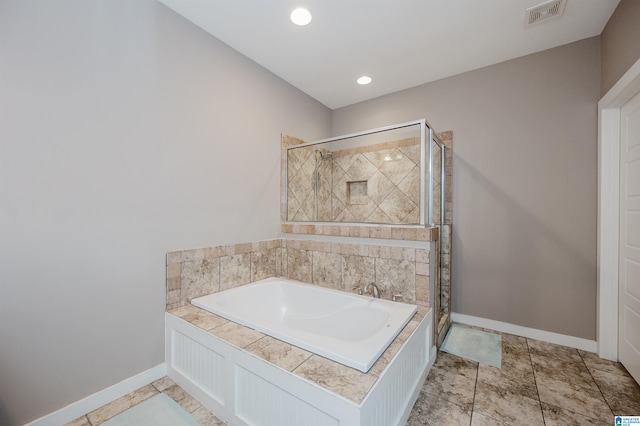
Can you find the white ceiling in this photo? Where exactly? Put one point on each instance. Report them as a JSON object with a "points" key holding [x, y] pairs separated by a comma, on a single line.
{"points": [[399, 43]]}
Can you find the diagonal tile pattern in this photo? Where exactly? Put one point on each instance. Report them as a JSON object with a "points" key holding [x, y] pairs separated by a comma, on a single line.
{"points": [[539, 384], [386, 177]]}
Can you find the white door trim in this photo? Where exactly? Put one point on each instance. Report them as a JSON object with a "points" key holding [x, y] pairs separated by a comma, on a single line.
{"points": [[609, 208]]}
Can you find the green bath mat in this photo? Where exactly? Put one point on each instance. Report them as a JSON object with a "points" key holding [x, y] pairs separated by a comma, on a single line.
{"points": [[475, 345], [159, 410]]}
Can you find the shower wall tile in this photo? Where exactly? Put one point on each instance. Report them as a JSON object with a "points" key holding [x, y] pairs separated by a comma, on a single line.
{"points": [[422, 255], [235, 270], [279, 262], [380, 232], [327, 270], [446, 239], [376, 171], [333, 264], [447, 140], [395, 270], [445, 268], [396, 277], [197, 272], [192, 254], [342, 162], [263, 263], [173, 298], [173, 276], [357, 271], [174, 257], [199, 278], [243, 248], [422, 290], [299, 264], [422, 268], [397, 233]]}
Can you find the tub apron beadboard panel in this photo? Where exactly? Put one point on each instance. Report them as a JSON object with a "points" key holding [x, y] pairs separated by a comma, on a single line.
{"points": [[243, 389]]}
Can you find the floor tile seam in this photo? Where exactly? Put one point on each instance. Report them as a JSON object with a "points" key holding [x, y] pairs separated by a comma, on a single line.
{"points": [[517, 392], [566, 409], [429, 394], [86, 416], [569, 373], [447, 371], [489, 416], [128, 408], [152, 384], [604, 398], [616, 373], [475, 392], [198, 407], [535, 381], [187, 394]]}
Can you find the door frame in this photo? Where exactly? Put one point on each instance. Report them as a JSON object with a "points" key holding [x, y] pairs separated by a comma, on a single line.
{"points": [[609, 209]]}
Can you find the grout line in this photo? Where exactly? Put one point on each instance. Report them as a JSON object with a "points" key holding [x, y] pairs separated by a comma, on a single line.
{"points": [[475, 392], [596, 383], [305, 360], [535, 381]]}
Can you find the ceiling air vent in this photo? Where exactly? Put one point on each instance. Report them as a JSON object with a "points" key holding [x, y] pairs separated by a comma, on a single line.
{"points": [[544, 12]]}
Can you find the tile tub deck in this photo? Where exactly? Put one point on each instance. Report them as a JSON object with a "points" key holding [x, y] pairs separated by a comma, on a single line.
{"points": [[339, 379]]}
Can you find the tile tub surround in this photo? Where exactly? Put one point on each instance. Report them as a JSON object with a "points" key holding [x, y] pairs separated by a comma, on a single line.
{"points": [[342, 266], [201, 271], [346, 382]]}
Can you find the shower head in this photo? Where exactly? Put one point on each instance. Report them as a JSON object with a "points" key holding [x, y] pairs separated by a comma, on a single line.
{"points": [[324, 155]]}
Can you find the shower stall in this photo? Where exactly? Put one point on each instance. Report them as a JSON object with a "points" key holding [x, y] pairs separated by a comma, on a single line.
{"points": [[392, 176]]}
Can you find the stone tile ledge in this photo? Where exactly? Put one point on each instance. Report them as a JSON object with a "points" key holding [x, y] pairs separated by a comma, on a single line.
{"points": [[363, 231], [339, 379]]}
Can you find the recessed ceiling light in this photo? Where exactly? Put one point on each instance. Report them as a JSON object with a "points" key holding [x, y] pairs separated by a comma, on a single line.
{"points": [[300, 16], [365, 79]]}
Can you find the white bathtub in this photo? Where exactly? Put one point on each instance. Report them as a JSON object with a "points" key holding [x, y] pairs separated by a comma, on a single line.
{"points": [[347, 328]]}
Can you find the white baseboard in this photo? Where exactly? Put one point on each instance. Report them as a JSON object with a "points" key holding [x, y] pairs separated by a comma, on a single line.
{"points": [[531, 333], [100, 398]]}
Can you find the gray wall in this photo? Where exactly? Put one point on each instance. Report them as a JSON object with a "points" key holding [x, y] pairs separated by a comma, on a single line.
{"points": [[620, 43], [125, 132], [524, 182]]}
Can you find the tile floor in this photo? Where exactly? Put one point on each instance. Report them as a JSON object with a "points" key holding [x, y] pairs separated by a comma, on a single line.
{"points": [[164, 385], [538, 384]]}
